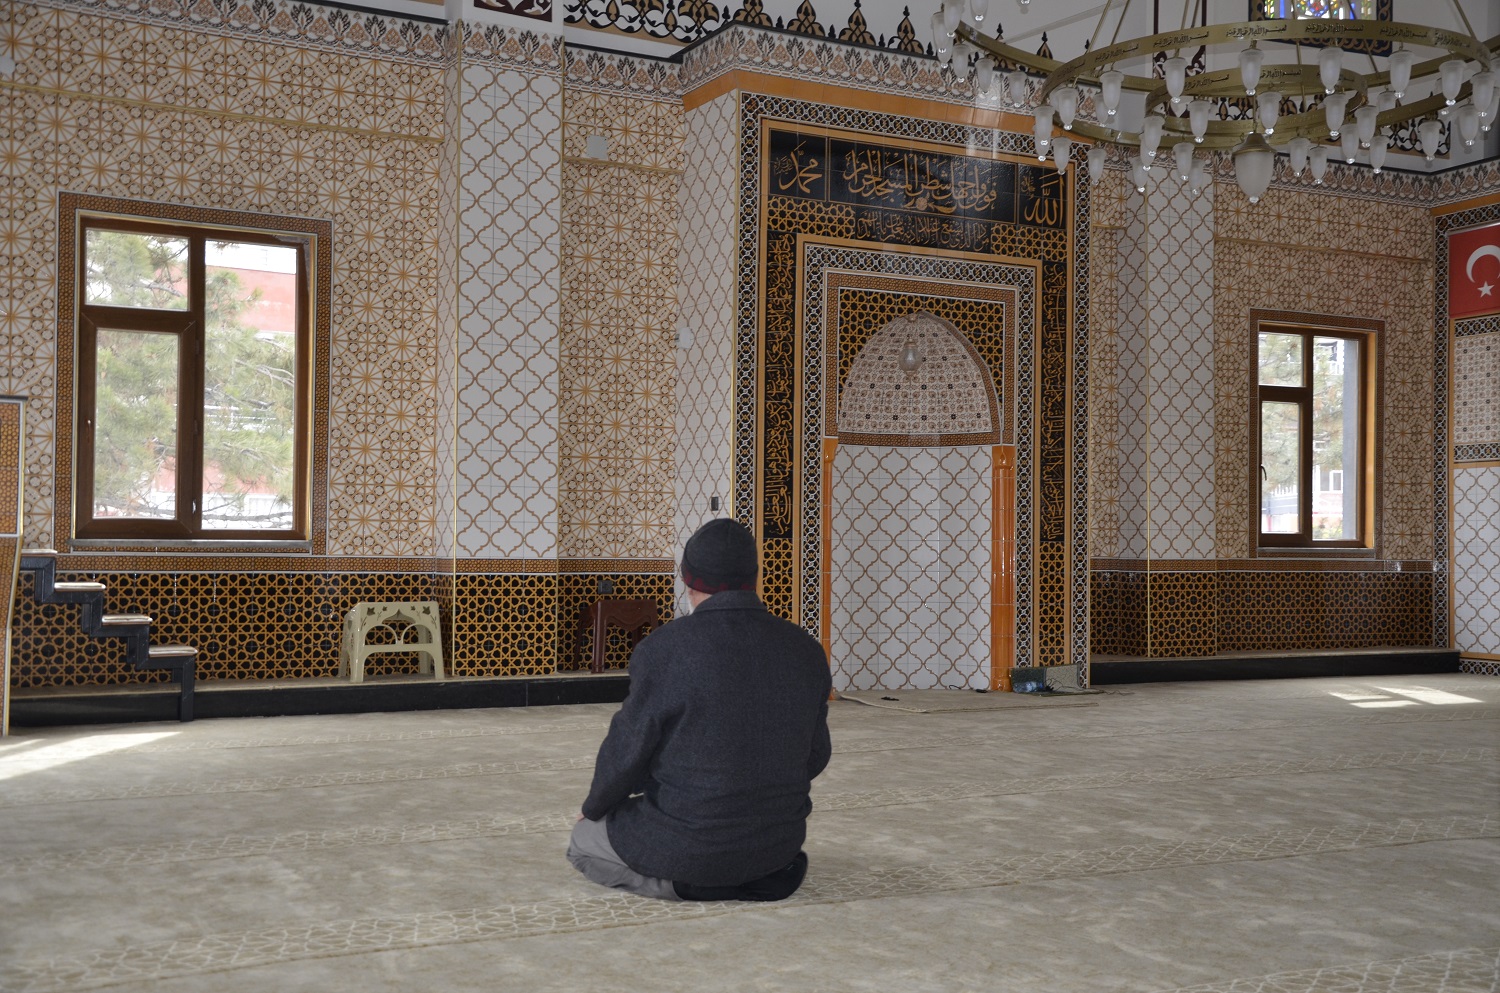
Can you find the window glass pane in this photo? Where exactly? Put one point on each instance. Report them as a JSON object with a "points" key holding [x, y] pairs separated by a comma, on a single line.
{"points": [[130, 269], [1280, 444], [135, 425], [1363, 10], [250, 388], [1280, 359], [1335, 469]]}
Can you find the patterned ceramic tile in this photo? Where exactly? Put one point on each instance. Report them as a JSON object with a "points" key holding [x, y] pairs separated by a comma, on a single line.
{"points": [[1476, 560], [377, 190], [850, 295], [1180, 371], [244, 72], [596, 71], [1442, 368], [620, 318], [948, 392], [508, 313], [910, 587], [1392, 284], [1476, 388], [703, 454], [1132, 348], [640, 132], [744, 47], [326, 29]]}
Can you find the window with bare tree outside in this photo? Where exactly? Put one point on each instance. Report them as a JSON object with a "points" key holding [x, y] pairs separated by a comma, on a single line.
{"points": [[192, 358], [1312, 424]]}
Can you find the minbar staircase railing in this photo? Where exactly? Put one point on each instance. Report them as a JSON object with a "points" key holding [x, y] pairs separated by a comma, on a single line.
{"points": [[135, 629]]}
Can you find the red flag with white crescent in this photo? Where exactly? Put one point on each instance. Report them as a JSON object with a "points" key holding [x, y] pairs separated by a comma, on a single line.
{"points": [[1474, 272]]}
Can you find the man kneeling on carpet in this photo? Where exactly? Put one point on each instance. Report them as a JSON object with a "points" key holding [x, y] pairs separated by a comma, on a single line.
{"points": [[701, 786]]}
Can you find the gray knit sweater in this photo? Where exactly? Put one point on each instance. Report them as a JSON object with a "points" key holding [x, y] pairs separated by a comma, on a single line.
{"points": [[724, 729]]}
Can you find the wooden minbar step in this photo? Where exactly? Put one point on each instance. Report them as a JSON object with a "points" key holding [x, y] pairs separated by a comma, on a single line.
{"points": [[135, 629]]}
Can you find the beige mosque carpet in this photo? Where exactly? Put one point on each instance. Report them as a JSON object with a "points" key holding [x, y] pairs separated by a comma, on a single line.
{"points": [[948, 701]]}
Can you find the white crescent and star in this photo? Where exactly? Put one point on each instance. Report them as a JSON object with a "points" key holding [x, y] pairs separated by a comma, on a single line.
{"points": [[1485, 288]]}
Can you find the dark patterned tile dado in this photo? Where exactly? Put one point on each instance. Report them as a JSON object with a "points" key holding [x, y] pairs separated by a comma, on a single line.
{"points": [[244, 625], [288, 625], [1182, 618], [504, 625], [1117, 613], [1274, 611], [577, 590]]}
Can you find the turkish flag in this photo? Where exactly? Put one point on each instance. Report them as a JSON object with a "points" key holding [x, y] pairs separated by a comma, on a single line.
{"points": [[1474, 272]]}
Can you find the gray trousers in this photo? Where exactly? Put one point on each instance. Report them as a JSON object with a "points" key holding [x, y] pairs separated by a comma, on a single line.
{"points": [[591, 854]]}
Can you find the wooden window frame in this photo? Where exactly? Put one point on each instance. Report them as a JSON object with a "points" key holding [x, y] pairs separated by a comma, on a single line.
{"points": [[1302, 397], [188, 327]]}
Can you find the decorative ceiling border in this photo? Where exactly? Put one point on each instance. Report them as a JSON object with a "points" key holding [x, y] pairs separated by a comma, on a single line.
{"points": [[778, 53], [686, 22], [334, 28], [598, 70], [494, 45]]}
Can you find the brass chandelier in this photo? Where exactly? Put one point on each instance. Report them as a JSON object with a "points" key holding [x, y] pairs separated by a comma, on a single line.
{"points": [[1311, 106]]}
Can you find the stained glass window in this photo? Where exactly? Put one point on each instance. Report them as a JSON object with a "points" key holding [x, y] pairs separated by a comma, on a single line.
{"points": [[1363, 10]]}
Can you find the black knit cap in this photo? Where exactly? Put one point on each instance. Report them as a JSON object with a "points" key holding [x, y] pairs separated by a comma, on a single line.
{"points": [[721, 555]]}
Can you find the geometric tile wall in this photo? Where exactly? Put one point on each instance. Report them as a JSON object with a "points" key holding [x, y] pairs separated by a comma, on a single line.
{"points": [[1321, 254], [910, 587], [1476, 385], [1179, 364], [702, 458], [619, 286], [465, 314], [1244, 607], [1476, 559], [1107, 203], [1119, 372], [1261, 611], [1176, 413], [330, 134], [507, 354]]}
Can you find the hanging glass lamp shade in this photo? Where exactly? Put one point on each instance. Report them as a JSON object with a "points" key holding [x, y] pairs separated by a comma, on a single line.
{"points": [[1015, 86], [1333, 112], [1151, 129], [1097, 156], [1174, 71], [1041, 130], [984, 74], [1268, 109], [1468, 124], [1182, 155], [1198, 177], [1198, 111], [1065, 99], [1253, 162], [1330, 64], [1061, 146], [1483, 84], [952, 14], [1451, 73], [1349, 145], [1430, 134], [1296, 151], [1400, 70], [1377, 154], [1317, 163], [1110, 82], [1487, 117], [1251, 59]]}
